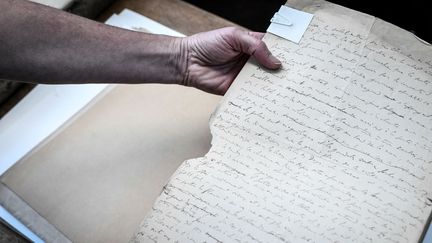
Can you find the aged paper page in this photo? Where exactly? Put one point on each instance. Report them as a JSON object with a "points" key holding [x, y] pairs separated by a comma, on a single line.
{"points": [[336, 147]]}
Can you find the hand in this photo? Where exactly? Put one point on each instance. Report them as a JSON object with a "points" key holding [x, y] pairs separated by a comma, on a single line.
{"points": [[215, 58]]}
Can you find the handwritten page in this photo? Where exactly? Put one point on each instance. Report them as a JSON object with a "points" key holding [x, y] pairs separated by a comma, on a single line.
{"points": [[335, 147]]}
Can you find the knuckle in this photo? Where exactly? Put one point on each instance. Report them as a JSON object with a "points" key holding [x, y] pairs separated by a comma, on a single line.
{"points": [[231, 29], [257, 45]]}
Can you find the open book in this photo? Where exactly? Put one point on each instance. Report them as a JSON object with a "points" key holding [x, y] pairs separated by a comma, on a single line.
{"points": [[335, 147]]}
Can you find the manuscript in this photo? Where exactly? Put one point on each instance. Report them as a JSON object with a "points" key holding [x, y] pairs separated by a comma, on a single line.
{"points": [[334, 147]]}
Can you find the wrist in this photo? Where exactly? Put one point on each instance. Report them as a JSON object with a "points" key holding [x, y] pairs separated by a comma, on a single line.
{"points": [[182, 60], [155, 59]]}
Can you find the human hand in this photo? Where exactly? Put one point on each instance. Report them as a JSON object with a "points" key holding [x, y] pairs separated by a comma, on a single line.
{"points": [[213, 59]]}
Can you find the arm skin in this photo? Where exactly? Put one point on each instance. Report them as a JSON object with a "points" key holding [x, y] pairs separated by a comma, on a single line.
{"points": [[43, 45]]}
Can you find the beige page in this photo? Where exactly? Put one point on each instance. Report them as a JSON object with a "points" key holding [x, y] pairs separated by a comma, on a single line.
{"points": [[98, 176], [335, 147]]}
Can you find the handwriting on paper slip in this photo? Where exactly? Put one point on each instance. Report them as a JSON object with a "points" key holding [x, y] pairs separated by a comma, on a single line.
{"points": [[290, 23]]}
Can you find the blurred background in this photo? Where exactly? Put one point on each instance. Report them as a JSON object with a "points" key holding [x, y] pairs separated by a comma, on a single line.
{"points": [[413, 16]]}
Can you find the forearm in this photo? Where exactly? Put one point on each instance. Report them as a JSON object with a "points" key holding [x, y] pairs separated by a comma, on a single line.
{"points": [[42, 45]]}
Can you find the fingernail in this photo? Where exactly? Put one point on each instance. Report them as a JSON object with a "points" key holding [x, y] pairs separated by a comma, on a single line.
{"points": [[274, 60]]}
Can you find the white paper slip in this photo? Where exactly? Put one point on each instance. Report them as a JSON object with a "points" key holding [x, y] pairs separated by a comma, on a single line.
{"points": [[280, 19], [298, 23]]}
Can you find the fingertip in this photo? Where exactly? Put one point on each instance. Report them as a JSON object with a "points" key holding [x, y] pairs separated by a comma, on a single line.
{"points": [[265, 57], [251, 44], [275, 63]]}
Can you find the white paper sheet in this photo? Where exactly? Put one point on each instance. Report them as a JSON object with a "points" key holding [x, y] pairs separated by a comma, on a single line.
{"points": [[299, 22]]}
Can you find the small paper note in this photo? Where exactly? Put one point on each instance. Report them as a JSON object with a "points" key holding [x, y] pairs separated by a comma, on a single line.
{"points": [[300, 21]]}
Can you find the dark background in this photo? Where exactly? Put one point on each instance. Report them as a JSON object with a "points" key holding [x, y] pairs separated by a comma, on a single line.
{"points": [[412, 15]]}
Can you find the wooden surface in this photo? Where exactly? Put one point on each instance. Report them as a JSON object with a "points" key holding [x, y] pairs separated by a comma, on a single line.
{"points": [[10, 236], [178, 15]]}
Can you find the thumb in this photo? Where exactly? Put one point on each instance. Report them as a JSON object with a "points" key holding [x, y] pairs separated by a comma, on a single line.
{"points": [[251, 43]]}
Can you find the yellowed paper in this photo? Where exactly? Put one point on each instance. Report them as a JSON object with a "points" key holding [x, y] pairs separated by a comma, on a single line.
{"points": [[335, 147], [97, 178]]}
